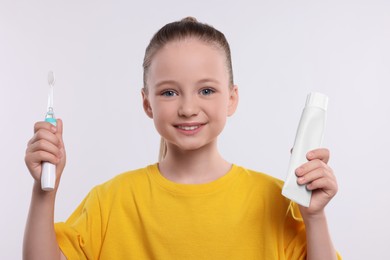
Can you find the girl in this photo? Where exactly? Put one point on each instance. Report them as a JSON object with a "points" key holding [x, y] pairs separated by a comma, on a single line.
{"points": [[192, 204]]}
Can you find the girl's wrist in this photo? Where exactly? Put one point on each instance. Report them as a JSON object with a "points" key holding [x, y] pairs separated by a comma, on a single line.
{"points": [[39, 193], [313, 218]]}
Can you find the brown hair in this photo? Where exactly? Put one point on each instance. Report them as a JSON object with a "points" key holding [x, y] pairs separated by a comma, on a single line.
{"points": [[188, 27]]}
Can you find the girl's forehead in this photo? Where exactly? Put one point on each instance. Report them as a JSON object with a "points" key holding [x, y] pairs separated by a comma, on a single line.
{"points": [[187, 51], [188, 58], [191, 44]]}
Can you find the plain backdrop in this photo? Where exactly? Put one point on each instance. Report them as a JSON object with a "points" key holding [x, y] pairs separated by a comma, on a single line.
{"points": [[282, 50]]}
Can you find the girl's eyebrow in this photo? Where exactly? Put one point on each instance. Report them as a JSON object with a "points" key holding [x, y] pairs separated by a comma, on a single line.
{"points": [[165, 82], [172, 82], [207, 80]]}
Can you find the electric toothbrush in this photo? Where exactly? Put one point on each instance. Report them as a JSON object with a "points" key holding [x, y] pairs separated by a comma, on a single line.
{"points": [[48, 176]]}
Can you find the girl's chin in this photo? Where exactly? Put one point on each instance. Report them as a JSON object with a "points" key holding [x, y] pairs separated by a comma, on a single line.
{"points": [[190, 146]]}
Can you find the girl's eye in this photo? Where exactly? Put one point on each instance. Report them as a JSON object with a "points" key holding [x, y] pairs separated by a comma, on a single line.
{"points": [[169, 93], [207, 91]]}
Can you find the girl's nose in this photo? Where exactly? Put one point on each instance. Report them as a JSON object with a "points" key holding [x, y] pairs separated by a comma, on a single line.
{"points": [[188, 108]]}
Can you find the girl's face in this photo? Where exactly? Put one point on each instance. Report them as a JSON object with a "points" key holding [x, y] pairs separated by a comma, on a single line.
{"points": [[188, 95]]}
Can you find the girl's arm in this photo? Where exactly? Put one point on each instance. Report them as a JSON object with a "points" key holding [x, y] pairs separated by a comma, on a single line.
{"points": [[319, 242], [318, 177], [39, 239]]}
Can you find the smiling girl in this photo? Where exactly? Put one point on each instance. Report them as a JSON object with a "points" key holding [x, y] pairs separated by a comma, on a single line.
{"points": [[192, 204]]}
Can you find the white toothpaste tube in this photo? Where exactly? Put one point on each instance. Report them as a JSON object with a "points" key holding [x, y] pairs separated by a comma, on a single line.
{"points": [[309, 136]]}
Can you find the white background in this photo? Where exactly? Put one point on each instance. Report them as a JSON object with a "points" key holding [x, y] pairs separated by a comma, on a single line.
{"points": [[281, 51]]}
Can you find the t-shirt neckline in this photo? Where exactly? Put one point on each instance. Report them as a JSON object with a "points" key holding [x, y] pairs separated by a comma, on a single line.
{"points": [[191, 189]]}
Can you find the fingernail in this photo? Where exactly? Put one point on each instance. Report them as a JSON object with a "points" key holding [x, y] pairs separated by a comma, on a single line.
{"points": [[301, 180], [310, 155]]}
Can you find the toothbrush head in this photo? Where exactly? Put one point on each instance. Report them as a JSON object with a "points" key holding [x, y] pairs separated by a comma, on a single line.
{"points": [[51, 78]]}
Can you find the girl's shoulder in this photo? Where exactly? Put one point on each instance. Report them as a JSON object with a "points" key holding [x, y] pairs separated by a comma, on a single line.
{"points": [[261, 179], [125, 181], [263, 187], [259, 176]]}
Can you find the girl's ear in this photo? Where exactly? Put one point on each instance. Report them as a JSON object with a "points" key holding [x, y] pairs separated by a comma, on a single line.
{"points": [[233, 100], [146, 104]]}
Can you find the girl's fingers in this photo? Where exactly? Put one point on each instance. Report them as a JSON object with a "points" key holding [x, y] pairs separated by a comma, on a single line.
{"points": [[43, 156], [44, 146], [326, 185], [319, 178], [44, 125], [59, 130], [310, 166], [59, 127], [322, 154], [314, 175], [43, 134]]}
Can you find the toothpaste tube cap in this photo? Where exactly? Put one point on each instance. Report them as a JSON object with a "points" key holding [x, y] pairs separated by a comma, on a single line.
{"points": [[316, 99]]}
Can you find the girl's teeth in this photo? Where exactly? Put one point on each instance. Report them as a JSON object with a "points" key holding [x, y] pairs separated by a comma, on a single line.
{"points": [[188, 128]]}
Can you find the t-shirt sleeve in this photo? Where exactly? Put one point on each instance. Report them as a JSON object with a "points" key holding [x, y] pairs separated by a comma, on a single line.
{"points": [[80, 236], [295, 234]]}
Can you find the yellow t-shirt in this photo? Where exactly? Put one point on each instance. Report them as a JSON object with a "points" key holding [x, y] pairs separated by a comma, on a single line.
{"points": [[142, 215]]}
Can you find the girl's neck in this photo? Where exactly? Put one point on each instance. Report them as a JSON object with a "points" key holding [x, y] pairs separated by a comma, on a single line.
{"points": [[193, 167]]}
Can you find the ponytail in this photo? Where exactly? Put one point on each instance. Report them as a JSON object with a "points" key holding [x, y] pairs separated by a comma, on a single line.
{"points": [[163, 150]]}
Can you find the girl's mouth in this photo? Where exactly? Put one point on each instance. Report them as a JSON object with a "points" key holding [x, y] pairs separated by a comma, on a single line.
{"points": [[188, 128]]}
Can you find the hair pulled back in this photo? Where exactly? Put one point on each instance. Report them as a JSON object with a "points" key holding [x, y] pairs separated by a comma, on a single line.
{"points": [[186, 28]]}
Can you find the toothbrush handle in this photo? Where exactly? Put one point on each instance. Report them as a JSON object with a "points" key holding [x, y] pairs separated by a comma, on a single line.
{"points": [[48, 176]]}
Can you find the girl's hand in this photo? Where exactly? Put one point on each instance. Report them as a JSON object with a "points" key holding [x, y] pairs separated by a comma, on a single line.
{"points": [[46, 146], [319, 178]]}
